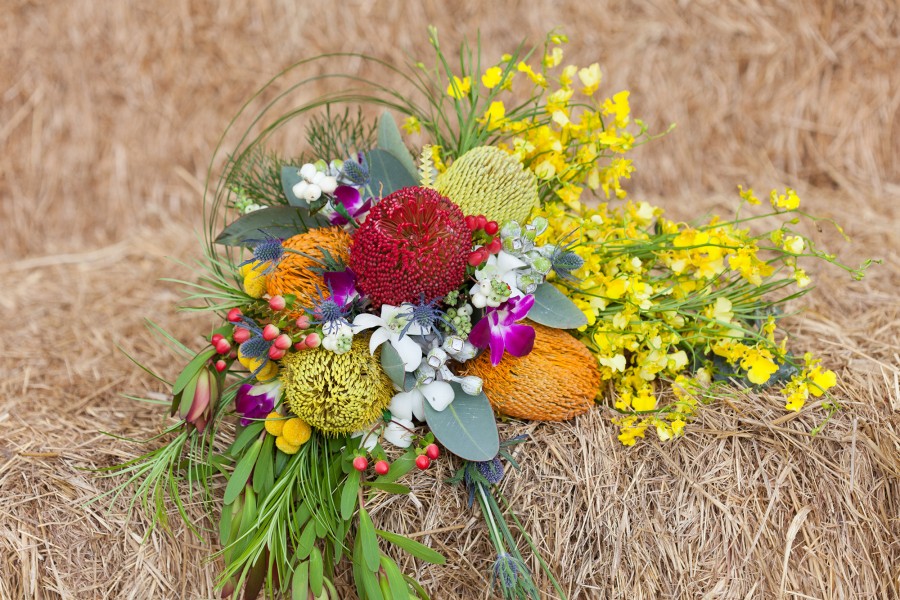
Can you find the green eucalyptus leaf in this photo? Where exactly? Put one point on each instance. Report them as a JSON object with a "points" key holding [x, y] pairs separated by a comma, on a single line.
{"points": [[420, 551], [349, 495], [389, 139], [277, 221], [554, 309], [393, 364], [371, 554], [241, 472], [466, 427], [290, 176], [387, 173]]}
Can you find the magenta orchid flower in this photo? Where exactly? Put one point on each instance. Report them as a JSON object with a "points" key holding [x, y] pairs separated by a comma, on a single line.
{"points": [[350, 198], [499, 331], [255, 402], [342, 286]]}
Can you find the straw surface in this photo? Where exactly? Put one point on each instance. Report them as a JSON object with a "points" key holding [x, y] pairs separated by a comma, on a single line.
{"points": [[109, 115]]}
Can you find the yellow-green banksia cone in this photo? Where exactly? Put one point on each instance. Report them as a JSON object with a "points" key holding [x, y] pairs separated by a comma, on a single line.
{"points": [[488, 181], [336, 393]]}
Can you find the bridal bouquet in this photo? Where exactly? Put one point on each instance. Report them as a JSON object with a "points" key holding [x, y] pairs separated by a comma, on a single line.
{"points": [[380, 301]]}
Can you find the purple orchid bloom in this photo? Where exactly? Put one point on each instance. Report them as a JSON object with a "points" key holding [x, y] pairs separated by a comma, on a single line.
{"points": [[350, 198], [342, 286], [255, 402], [499, 330]]}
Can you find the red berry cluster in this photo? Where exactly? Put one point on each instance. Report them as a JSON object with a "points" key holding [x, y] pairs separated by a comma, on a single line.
{"points": [[382, 467], [413, 243], [484, 232]]}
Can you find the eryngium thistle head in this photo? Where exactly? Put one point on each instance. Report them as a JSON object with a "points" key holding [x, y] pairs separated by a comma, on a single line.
{"points": [[492, 470], [413, 244], [488, 181], [336, 393]]}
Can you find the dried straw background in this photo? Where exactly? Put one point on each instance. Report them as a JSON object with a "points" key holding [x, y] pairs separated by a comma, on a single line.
{"points": [[109, 114]]}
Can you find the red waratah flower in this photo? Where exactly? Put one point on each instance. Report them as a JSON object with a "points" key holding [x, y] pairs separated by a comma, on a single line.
{"points": [[414, 243]]}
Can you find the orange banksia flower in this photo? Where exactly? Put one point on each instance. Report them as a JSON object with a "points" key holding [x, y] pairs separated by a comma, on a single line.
{"points": [[558, 380], [298, 274]]}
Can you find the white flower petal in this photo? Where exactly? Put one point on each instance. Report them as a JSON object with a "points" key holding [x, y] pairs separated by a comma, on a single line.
{"points": [[508, 262], [379, 336], [366, 321], [410, 352], [388, 312], [396, 433], [439, 394], [404, 404], [371, 439]]}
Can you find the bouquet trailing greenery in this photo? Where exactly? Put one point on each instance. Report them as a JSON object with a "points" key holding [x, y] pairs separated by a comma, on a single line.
{"points": [[376, 305]]}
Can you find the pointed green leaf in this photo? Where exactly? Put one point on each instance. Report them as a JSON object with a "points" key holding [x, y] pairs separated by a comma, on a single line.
{"points": [[277, 221], [192, 368], [349, 495], [554, 309], [369, 542], [249, 433], [466, 427], [398, 586], [393, 364], [400, 467], [307, 540], [263, 475], [387, 173], [300, 582], [225, 525], [389, 139], [420, 551], [241, 472], [315, 571]]}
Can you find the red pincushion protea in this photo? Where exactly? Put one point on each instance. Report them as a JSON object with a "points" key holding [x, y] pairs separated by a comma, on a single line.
{"points": [[413, 243]]}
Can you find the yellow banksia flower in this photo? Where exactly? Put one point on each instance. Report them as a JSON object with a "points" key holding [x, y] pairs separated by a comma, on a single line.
{"points": [[336, 393], [488, 181]]}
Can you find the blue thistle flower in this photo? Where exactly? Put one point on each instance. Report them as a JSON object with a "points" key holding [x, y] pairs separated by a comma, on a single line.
{"points": [[492, 470], [426, 315], [356, 172], [256, 347], [268, 250], [329, 313], [507, 570]]}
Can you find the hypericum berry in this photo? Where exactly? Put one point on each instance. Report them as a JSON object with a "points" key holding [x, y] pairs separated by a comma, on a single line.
{"points": [[277, 303], [223, 346], [423, 462], [432, 451], [303, 322], [313, 340], [495, 246], [241, 335], [360, 463], [220, 365], [270, 332], [283, 342], [215, 338], [475, 258], [276, 353], [480, 222], [301, 345], [382, 467], [470, 222], [491, 228], [234, 315]]}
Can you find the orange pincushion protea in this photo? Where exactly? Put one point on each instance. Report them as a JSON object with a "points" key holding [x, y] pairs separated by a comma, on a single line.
{"points": [[556, 381], [299, 275]]}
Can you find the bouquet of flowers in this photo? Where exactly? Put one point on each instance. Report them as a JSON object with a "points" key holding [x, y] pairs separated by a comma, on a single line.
{"points": [[378, 307]]}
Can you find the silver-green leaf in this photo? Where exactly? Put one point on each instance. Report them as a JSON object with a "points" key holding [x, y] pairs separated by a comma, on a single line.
{"points": [[466, 427], [553, 309]]}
